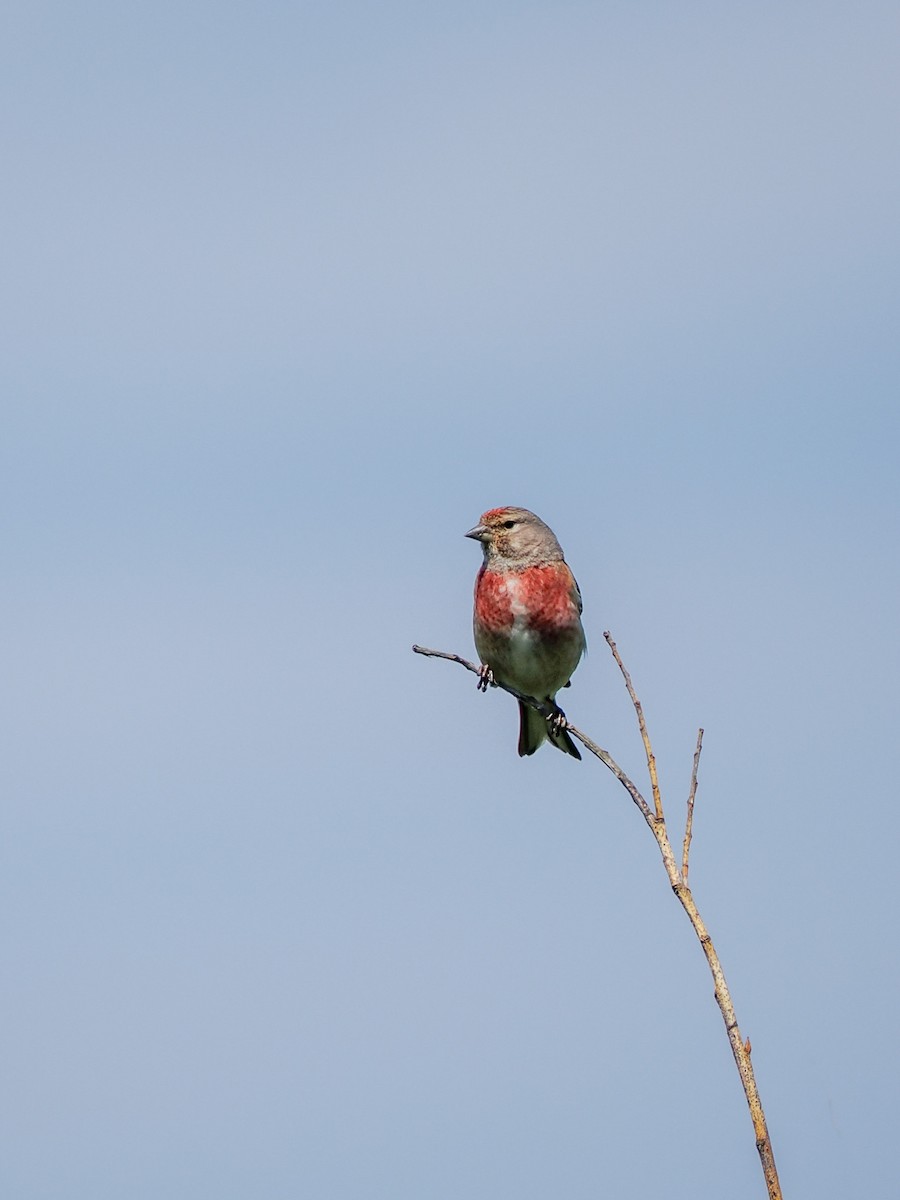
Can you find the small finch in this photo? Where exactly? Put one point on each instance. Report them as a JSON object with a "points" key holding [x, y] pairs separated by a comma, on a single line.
{"points": [[527, 619]]}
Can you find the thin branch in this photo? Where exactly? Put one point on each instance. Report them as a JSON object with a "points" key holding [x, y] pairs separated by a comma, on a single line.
{"points": [[739, 1048], [689, 823], [678, 879], [463, 662], [642, 725]]}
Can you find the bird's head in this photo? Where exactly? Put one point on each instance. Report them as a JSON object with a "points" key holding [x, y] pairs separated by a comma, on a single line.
{"points": [[515, 537]]}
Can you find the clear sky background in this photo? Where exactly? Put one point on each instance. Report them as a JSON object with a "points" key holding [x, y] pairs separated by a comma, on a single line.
{"points": [[291, 294]]}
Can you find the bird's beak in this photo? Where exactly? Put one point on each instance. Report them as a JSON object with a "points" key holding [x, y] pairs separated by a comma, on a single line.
{"points": [[479, 533]]}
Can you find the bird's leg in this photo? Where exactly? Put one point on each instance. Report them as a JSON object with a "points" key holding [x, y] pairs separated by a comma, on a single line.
{"points": [[556, 722], [485, 678]]}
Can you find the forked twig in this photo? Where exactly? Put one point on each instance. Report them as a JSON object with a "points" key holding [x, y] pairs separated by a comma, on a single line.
{"points": [[678, 877]]}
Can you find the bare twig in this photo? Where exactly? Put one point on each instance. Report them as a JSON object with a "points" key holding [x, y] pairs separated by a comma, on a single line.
{"points": [[655, 819], [689, 823], [648, 749]]}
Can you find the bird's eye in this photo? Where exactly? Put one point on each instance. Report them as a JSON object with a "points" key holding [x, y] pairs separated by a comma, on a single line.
{"points": [[509, 524]]}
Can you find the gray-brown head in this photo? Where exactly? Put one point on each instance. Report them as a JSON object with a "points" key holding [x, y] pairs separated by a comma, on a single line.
{"points": [[513, 538]]}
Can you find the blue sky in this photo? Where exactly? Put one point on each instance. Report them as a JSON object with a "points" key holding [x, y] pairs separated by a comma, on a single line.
{"points": [[292, 293]]}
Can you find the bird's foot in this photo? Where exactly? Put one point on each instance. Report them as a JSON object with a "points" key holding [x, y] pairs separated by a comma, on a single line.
{"points": [[485, 678], [557, 722]]}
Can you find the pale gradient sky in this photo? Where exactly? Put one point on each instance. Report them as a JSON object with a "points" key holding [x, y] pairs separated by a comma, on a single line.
{"points": [[291, 293]]}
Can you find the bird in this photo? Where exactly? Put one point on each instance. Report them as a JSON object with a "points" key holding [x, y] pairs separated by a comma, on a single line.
{"points": [[527, 619]]}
